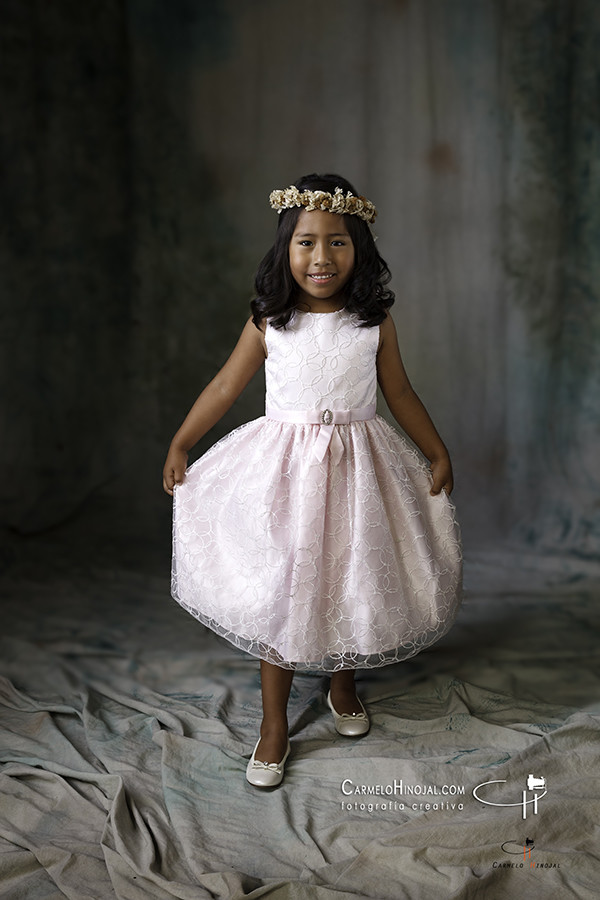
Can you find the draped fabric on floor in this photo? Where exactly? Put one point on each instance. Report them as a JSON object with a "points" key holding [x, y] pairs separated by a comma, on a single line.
{"points": [[140, 141], [145, 138], [125, 734]]}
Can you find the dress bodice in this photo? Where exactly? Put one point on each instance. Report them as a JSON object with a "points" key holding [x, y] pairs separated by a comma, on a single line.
{"points": [[321, 359]]}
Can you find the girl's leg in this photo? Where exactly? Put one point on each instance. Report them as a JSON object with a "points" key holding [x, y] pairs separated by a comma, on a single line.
{"points": [[343, 692], [275, 684]]}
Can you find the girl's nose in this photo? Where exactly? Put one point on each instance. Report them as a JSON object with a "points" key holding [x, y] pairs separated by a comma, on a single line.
{"points": [[322, 256]]}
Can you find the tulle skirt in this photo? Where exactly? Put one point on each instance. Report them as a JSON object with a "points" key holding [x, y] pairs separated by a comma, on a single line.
{"points": [[316, 565]]}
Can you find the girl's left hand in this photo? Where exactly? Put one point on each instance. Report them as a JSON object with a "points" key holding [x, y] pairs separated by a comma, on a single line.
{"points": [[174, 470], [441, 470]]}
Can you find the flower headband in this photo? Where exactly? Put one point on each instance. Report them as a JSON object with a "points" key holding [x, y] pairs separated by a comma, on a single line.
{"points": [[334, 203]]}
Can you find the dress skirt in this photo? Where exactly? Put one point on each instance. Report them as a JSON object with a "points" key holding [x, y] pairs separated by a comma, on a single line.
{"points": [[317, 565]]}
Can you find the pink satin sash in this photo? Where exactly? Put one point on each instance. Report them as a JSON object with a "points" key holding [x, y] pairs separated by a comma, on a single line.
{"points": [[328, 438]]}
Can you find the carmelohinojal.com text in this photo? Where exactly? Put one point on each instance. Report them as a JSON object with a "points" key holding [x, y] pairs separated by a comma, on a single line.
{"points": [[431, 797]]}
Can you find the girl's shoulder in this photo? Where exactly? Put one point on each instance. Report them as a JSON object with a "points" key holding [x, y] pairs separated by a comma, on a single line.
{"points": [[387, 331], [261, 325], [388, 326], [261, 332], [252, 338]]}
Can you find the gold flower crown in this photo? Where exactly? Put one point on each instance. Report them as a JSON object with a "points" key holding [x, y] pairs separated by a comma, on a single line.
{"points": [[334, 203]]}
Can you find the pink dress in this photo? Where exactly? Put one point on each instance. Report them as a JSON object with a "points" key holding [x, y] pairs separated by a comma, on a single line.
{"points": [[308, 537]]}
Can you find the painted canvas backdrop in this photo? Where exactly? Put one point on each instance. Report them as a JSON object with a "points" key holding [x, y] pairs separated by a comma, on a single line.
{"points": [[140, 142]]}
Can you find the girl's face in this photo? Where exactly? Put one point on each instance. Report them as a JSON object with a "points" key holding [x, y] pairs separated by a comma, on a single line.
{"points": [[321, 259]]}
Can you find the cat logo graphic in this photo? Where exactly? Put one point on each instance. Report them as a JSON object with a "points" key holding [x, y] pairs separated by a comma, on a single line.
{"points": [[516, 848]]}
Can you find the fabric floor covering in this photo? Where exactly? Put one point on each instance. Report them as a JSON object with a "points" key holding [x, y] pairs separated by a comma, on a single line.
{"points": [[126, 727]]}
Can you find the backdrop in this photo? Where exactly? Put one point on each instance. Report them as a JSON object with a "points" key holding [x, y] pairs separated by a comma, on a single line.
{"points": [[141, 139]]}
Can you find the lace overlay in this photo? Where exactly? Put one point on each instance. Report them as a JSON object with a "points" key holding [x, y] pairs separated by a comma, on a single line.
{"points": [[317, 565]]}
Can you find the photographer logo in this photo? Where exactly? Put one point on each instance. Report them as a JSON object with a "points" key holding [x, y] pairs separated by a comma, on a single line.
{"points": [[534, 785]]}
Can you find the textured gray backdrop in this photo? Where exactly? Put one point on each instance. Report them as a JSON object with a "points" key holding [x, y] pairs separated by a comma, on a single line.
{"points": [[140, 139]]}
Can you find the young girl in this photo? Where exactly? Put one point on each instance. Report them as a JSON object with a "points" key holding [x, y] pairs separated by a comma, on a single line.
{"points": [[315, 537]]}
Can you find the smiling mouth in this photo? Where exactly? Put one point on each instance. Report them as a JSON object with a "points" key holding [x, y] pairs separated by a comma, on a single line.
{"points": [[321, 278]]}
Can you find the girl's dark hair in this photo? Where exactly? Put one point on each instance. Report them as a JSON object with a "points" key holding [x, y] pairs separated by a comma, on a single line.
{"points": [[276, 290]]}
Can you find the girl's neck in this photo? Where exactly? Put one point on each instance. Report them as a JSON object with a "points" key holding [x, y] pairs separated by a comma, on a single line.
{"points": [[319, 306]]}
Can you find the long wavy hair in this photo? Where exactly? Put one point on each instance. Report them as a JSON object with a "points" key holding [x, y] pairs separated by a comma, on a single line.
{"points": [[365, 292]]}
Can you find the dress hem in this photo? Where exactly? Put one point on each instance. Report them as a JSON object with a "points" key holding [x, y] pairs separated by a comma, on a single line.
{"points": [[331, 662]]}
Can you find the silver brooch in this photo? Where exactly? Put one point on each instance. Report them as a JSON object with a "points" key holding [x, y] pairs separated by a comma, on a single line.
{"points": [[326, 417]]}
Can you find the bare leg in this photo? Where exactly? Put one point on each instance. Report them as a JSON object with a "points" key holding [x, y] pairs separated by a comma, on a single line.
{"points": [[343, 692], [275, 683]]}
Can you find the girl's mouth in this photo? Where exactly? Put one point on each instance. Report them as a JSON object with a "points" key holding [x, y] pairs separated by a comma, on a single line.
{"points": [[320, 279]]}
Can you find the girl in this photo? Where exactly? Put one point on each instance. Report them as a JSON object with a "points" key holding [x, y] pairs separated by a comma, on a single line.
{"points": [[315, 537]]}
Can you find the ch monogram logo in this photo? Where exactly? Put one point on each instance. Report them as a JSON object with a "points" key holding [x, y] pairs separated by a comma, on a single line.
{"points": [[534, 785]]}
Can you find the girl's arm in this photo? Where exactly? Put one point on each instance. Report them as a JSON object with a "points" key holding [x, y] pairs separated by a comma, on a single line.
{"points": [[408, 410], [214, 401]]}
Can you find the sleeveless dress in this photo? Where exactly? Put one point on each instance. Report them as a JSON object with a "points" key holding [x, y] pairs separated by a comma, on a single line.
{"points": [[308, 537]]}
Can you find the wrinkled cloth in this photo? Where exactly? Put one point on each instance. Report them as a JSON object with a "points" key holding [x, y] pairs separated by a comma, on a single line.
{"points": [[125, 734], [312, 559]]}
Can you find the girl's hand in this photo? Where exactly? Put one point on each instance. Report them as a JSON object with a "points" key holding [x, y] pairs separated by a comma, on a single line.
{"points": [[174, 470], [407, 409], [248, 356], [441, 469]]}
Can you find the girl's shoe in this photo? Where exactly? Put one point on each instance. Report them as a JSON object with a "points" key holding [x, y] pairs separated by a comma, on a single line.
{"points": [[262, 774], [350, 724]]}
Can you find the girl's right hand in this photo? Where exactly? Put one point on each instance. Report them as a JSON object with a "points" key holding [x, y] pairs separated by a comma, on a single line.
{"points": [[248, 356], [441, 471], [174, 470]]}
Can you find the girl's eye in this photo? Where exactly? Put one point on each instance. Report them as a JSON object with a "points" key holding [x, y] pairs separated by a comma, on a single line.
{"points": [[307, 243]]}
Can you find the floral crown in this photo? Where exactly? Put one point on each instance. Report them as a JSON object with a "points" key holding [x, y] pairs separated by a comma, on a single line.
{"points": [[334, 203]]}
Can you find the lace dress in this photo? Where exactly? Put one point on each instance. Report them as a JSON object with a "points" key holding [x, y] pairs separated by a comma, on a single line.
{"points": [[308, 537]]}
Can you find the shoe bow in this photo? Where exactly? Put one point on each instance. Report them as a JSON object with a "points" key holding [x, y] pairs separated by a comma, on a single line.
{"points": [[270, 767]]}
